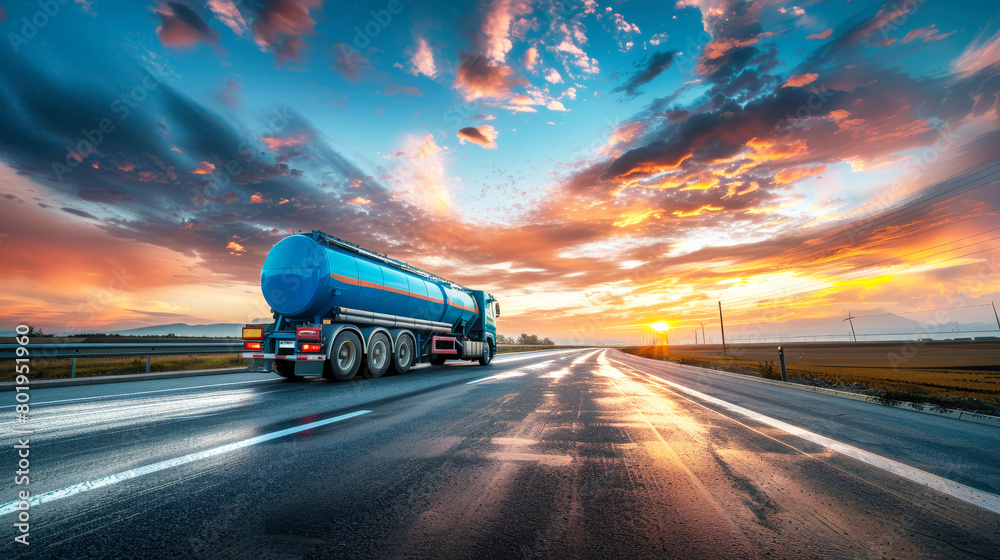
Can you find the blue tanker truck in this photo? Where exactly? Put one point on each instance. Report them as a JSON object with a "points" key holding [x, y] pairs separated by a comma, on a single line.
{"points": [[340, 309]]}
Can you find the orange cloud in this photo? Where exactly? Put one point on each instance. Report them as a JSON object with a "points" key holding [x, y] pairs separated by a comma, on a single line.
{"points": [[277, 143], [801, 80], [359, 201], [822, 35], [479, 78], [786, 176], [204, 169], [484, 135], [422, 60]]}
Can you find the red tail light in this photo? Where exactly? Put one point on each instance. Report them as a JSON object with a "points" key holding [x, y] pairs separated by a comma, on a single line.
{"points": [[307, 333], [312, 347], [252, 345], [253, 333]]}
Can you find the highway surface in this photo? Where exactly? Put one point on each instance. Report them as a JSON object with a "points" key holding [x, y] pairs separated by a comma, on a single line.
{"points": [[558, 454]]}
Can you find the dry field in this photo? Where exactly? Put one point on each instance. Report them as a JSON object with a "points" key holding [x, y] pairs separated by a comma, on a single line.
{"points": [[966, 388]]}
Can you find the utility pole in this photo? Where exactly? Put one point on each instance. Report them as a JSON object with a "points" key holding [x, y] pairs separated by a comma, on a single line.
{"points": [[696, 336], [703, 339], [851, 320], [723, 327], [995, 316]]}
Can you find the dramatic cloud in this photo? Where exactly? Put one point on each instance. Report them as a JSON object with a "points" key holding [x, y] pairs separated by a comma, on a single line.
{"points": [[484, 135], [227, 12], [983, 53], [802, 80], [182, 28], [496, 27], [530, 58], [647, 71], [280, 26], [478, 78], [422, 60]]}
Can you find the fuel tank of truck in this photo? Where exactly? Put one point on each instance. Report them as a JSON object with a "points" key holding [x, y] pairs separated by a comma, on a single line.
{"points": [[302, 278]]}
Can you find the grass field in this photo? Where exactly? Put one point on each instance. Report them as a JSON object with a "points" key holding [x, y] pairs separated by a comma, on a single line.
{"points": [[122, 365], [967, 389]]}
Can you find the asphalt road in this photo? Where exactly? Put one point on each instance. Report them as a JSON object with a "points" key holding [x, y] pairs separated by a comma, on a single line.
{"points": [[562, 454], [900, 354]]}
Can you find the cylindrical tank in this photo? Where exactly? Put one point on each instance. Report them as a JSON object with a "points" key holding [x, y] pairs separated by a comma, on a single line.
{"points": [[302, 278]]}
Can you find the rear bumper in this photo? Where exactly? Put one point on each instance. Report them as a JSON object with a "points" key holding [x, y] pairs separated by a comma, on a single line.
{"points": [[297, 357]]}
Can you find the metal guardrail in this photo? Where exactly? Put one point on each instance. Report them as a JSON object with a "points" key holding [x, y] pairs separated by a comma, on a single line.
{"points": [[93, 349], [53, 349]]}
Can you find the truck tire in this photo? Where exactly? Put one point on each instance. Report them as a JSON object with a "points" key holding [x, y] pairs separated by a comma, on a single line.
{"points": [[402, 358], [378, 357], [437, 361], [487, 354], [345, 357], [284, 368]]}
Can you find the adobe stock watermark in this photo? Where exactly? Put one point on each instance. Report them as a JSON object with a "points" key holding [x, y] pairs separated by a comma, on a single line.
{"points": [[31, 25], [90, 140], [22, 476]]}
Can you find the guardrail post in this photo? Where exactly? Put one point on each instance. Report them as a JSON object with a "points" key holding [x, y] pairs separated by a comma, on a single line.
{"points": [[72, 373], [781, 358], [147, 363]]}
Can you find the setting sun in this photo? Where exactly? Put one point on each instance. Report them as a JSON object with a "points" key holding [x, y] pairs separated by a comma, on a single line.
{"points": [[660, 326]]}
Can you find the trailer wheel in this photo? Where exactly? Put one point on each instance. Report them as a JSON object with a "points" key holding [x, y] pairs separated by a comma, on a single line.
{"points": [[487, 354], [284, 368], [345, 357], [402, 360], [378, 357]]}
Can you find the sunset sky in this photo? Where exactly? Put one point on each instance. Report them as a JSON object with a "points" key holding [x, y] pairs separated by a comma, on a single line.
{"points": [[600, 167]]}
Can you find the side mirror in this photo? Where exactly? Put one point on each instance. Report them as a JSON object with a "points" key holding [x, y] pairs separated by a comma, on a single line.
{"points": [[496, 310]]}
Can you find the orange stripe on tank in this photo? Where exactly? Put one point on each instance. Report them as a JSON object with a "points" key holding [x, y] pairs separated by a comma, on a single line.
{"points": [[367, 284]]}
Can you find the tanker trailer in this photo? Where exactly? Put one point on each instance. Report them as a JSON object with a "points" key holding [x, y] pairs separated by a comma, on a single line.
{"points": [[340, 309]]}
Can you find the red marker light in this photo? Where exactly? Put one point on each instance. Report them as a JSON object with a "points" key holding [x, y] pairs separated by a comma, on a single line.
{"points": [[252, 345], [312, 347]]}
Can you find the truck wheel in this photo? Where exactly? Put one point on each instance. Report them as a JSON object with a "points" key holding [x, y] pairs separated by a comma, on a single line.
{"points": [[402, 360], [284, 368], [487, 354], [437, 361], [378, 357], [345, 357]]}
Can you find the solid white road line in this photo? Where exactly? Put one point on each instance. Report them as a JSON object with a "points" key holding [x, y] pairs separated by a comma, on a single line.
{"points": [[170, 463], [955, 489], [118, 396], [506, 375]]}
